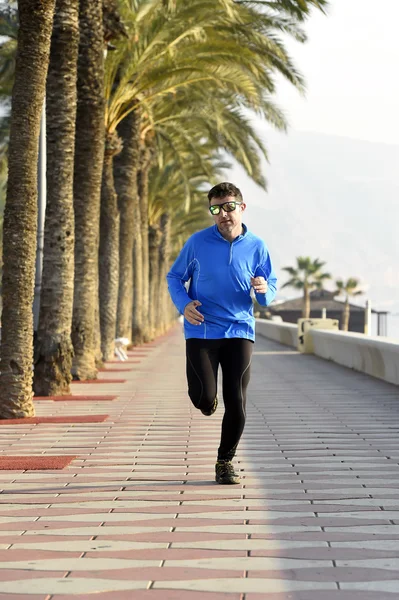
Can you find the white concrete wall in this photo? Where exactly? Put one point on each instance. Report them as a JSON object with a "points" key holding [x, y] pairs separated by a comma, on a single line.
{"points": [[371, 355], [284, 333]]}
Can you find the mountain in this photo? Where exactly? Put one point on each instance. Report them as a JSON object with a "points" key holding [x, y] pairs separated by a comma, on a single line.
{"points": [[331, 198]]}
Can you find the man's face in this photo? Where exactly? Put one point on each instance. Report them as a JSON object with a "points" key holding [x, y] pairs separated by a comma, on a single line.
{"points": [[225, 220]]}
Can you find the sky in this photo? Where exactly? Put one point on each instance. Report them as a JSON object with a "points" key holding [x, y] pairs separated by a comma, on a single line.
{"points": [[350, 64]]}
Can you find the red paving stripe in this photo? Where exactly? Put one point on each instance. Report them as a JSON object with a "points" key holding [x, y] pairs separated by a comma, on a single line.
{"points": [[21, 574], [101, 381], [66, 419], [28, 463], [76, 398]]}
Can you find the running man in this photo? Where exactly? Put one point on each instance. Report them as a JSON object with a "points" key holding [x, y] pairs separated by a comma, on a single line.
{"points": [[223, 263]]}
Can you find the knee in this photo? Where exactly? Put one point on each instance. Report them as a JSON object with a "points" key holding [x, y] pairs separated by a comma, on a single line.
{"points": [[201, 397], [208, 398]]}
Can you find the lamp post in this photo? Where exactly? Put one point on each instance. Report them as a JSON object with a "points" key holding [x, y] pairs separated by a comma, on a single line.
{"points": [[367, 318]]}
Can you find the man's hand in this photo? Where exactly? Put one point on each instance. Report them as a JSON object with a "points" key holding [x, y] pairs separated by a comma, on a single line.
{"points": [[259, 284], [191, 313]]}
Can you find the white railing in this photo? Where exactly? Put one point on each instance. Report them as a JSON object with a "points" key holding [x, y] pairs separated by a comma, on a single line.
{"points": [[378, 357], [285, 333], [371, 355]]}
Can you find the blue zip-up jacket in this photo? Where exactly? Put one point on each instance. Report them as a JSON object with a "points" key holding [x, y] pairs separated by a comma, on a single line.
{"points": [[220, 278]]}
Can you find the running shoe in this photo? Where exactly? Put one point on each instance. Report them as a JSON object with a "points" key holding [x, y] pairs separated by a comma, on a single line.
{"points": [[225, 473]]}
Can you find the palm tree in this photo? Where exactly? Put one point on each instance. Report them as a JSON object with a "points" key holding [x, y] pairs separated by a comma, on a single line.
{"points": [[348, 288], [109, 249], [177, 181], [300, 9], [306, 276], [126, 166], [53, 347], [144, 74], [89, 157], [141, 328], [8, 49], [20, 216]]}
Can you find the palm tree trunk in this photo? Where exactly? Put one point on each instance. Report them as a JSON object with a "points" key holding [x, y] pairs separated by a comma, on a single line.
{"points": [[306, 303], [155, 237], [146, 158], [89, 155], [137, 313], [125, 174], [97, 332], [164, 252], [20, 215], [53, 348], [345, 323], [109, 250]]}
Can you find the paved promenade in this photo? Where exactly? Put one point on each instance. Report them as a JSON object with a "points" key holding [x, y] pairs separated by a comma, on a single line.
{"points": [[137, 515]]}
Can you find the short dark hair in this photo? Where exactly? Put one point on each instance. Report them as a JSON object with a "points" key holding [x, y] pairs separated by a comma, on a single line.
{"points": [[223, 190]]}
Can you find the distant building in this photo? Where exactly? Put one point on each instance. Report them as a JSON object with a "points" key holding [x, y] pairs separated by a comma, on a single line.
{"points": [[291, 310]]}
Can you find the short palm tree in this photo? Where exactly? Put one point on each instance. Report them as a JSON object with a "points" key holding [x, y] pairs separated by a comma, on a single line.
{"points": [[307, 275], [348, 288]]}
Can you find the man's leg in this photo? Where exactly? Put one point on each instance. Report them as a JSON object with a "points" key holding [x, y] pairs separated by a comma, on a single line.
{"points": [[235, 360], [202, 369]]}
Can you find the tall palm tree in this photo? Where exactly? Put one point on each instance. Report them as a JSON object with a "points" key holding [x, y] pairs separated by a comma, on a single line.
{"points": [[141, 328], [143, 74], [177, 182], [109, 249], [348, 288], [89, 156], [306, 276], [20, 216], [8, 50], [109, 213], [126, 167], [53, 347]]}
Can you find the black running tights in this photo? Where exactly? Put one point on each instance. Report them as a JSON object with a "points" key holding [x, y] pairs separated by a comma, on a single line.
{"points": [[203, 360]]}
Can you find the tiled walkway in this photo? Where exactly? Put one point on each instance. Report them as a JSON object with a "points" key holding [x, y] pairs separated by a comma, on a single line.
{"points": [[138, 516]]}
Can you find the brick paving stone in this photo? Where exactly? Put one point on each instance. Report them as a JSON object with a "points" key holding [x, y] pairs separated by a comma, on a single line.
{"points": [[24, 596], [169, 554], [332, 574], [322, 595], [153, 595], [20, 574], [161, 574], [314, 517]]}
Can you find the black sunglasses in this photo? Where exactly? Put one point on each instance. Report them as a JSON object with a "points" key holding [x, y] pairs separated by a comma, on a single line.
{"points": [[227, 207]]}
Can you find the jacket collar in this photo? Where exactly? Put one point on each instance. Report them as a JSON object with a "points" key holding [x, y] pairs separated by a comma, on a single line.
{"points": [[240, 237]]}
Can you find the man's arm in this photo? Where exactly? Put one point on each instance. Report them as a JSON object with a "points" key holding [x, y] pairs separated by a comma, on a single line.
{"points": [[181, 271], [265, 269]]}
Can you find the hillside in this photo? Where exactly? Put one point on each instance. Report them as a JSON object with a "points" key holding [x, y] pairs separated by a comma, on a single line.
{"points": [[332, 198]]}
